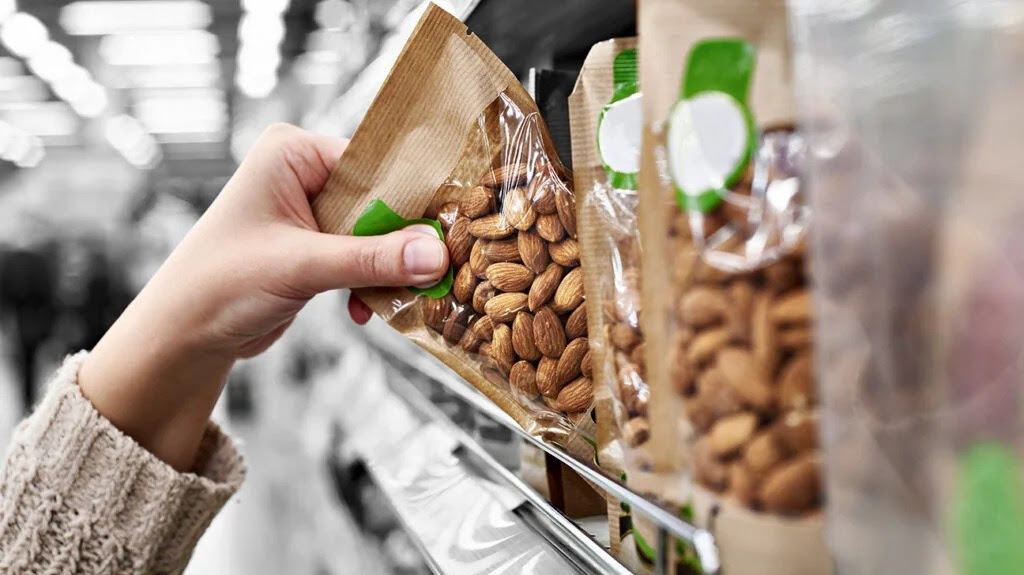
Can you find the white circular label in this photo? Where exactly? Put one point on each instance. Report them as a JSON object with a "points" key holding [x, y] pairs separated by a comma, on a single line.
{"points": [[707, 141], [620, 133]]}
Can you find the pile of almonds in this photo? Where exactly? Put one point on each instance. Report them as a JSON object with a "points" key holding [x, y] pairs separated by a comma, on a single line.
{"points": [[517, 302], [742, 359]]}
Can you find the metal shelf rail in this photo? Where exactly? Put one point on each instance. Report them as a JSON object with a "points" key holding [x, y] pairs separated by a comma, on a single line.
{"points": [[403, 352]]}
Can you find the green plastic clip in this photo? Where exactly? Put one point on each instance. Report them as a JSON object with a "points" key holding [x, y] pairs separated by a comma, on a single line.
{"points": [[379, 219]]}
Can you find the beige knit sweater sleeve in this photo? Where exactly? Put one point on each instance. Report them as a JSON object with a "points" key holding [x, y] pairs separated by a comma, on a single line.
{"points": [[79, 496]]}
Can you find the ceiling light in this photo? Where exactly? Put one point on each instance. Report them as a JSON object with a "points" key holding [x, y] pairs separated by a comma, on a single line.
{"points": [[91, 101], [264, 29], [182, 115], [71, 83], [22, 89], [23, 34], [7, 8], [160, 48], [46, 119], [257, 85], [101, 18], [50, 61], [171, 76], [265, 6]]}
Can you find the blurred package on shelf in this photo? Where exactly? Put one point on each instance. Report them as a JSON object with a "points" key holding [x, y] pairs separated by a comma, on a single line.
{"points": [[913, 121]]}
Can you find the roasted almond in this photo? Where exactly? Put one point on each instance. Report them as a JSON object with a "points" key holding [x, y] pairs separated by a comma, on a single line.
{"points": [[548, 335], [762, 453], [478, 202], [737, 314], [509, 277], [793, 487], [532, 251], [501, 348], [565, 203], [565, 253], [477, 261], [569, 294], [742, 485], [794, 307], [522, 337], [795, 337], [706, 344], [782, 275], [500, 250], [636, 431], [549, 227], [576, 323], [545, 286], [464, 284], [435, 311], [763, 336], [490, 227], [710, 471], [739, 371], [730, 434], [542, 191], [459, 241], [576, 396], [483, 327], [570, 364], [587, 365], [547, 383], [624, 337], [470, 342], [507, 176], [455, 325], [516, 208], [702, 306], [483, 292], [523, 378], [503, 307], [797, 432], [796, 383]]}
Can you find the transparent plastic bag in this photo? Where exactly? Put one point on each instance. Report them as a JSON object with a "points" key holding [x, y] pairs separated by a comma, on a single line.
{"points": [[453, 137], [913, 120]]}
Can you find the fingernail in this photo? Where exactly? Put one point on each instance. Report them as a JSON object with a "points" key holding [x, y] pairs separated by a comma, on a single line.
{"points": [[424, 256], [423, 229]]}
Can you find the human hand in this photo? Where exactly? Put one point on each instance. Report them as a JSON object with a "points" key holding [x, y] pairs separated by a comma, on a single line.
{"points": [[232, 287]]}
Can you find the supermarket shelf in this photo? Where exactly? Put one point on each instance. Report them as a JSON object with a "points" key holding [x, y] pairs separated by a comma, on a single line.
{"points": [[402, 352]]}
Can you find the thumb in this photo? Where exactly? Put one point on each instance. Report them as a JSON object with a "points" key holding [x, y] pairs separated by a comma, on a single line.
{"points": [[410, 257]]}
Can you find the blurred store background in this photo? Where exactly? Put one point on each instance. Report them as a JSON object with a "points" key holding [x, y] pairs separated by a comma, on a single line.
{"points": [[119, 123]]}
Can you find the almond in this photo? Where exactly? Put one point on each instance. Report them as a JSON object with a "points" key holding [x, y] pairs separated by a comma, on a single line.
{"points": [[639, 354], [793, 487], [547, 333], [795, 337], [477, 260], [532, 251], [507, 176], [796, 383], [470, 342], [739, 371], [516, 208], [742, 485], [503, 307], [624, 337], [729, 434], [702, 306], [636, 431], [478, 202], [483, 328], [485, 350], [484, 292], [459, 241], [522, 337], [576, 323], [545, 286], [464, 284], [435, 311], [523, 378], [546, 382], [762, 453], [797, 432], [793, 308], [550, 228], [565, 204], [500, 250], [447, 214], [763, 337], [710, 471], [782, 276], [565, 253], [587, 366], [455, 325], [490, 227], [509, 277], [570, 364], [576, 396], [542, 191], [706, 344], [737, 314], [570, 292], [501, 348]]}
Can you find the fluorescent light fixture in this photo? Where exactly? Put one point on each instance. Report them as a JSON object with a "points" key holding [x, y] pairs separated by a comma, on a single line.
{"points": [[102, 18], [71, 83], [257, 85], [171, 76], [160, 48], [276, 7], [168, 115], [15, 89], [50, 61], [7, 8], [262, 29], [44, 119], [91, 101], [23, 34], [128, 137]]}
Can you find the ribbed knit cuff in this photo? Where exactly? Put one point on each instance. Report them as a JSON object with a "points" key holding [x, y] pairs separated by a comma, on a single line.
{"points": [[75, 490]]}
